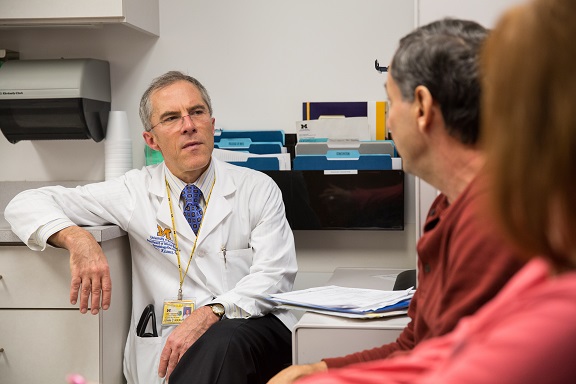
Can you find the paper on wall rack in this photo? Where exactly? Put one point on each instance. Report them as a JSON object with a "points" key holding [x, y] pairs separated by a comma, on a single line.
{"points": [[375, 111], [333, 129]]}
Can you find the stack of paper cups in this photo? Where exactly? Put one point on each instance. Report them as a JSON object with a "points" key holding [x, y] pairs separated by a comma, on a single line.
{"points": [[118, 146]]}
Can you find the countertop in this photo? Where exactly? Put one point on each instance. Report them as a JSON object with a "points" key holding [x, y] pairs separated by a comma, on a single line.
{"points": [[9, 189], [100, 233]]}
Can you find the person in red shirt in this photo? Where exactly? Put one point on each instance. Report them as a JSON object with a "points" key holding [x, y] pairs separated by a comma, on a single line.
{"points": [[526, 334], [433, 87]]}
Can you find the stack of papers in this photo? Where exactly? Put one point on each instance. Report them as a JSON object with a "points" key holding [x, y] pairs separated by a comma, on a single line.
{"points": [[339, 129], [347, 302], [374, 111]]}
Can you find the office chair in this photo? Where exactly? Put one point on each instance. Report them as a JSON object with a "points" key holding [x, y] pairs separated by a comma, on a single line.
{"points": [[405, 280]]}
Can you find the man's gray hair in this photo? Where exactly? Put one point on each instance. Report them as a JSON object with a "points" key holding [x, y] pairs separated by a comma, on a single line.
{"points": [[443, 56], [163, 81]]}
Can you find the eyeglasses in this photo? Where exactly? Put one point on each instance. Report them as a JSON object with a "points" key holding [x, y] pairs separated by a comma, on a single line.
{"points": [[198, 116]]}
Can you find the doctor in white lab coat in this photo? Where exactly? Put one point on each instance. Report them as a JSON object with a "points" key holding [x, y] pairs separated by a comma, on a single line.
{"points": [[243, 251]]}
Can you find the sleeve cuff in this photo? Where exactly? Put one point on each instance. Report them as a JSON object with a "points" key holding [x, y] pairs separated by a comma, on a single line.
{"points": [[232, 311], [40, 237]]}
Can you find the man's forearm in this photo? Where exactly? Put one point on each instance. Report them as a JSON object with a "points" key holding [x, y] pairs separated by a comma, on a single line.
{"points": [[67, 237]]}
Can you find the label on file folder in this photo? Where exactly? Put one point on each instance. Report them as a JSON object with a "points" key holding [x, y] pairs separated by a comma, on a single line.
{"points": [[345, 154], [235, 143]]}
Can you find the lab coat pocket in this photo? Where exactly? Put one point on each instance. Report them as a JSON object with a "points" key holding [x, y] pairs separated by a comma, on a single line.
{"points": [[145, 359], [236, 264]]}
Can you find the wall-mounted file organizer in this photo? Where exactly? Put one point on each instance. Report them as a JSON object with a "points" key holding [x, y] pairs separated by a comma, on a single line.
{"points": [[361, 200], [342, 198]]}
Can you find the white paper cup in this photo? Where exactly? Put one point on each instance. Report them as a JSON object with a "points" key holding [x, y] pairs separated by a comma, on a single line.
{"points": [[117, 128]]}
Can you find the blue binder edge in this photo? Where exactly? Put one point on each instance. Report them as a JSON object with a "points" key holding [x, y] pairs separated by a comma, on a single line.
{"points": [[247, 146], [322, 163], [259, 163]]}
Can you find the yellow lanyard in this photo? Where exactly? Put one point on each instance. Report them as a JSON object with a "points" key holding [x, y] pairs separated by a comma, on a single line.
{"points": [[176, 237]]}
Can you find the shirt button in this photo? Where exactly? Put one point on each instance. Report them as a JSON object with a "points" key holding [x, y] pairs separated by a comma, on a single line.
{"points": [[427, 268]]}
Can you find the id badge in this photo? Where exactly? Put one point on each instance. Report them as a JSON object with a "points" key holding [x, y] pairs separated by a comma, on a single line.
{"points": [[175, 311]]}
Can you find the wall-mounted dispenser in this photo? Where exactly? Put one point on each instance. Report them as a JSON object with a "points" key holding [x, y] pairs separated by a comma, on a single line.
{"points": [[54, 99]]}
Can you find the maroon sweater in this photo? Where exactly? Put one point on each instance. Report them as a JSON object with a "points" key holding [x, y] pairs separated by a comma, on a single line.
{"points": [[462, 263]]}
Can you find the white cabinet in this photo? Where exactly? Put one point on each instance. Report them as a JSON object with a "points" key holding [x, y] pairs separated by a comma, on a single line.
{"points": [[139, 14], [42, 337], [42, 346]]}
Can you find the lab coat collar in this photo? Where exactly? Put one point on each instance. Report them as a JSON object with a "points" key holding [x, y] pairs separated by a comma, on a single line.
{"points": [[219, 207]]}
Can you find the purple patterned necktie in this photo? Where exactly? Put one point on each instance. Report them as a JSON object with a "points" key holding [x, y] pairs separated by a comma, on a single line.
{"points": [[192, 210]]}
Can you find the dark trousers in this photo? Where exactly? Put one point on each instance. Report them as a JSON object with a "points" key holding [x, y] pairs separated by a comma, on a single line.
{"points": [[236, 351]]}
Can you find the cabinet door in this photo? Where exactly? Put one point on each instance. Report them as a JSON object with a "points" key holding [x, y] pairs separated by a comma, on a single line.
{"points": [[43, 346], [34, 279], [139, 14], [60, 9]]}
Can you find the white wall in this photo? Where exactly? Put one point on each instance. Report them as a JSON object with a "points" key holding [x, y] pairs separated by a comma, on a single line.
{"points": [[486, 12], [259, 59]]}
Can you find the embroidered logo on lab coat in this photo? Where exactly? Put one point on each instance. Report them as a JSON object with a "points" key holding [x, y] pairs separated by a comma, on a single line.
{"points": [[162, 241]]}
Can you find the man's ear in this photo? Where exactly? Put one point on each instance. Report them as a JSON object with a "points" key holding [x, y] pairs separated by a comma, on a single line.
{"points": [[150, 140], [424, 104]]}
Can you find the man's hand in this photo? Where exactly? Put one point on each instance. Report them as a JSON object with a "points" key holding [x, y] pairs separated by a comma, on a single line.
{"points": [[183, 337], [295, 372], [88, 267]]}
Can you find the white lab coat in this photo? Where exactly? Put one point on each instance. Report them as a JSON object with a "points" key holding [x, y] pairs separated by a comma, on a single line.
{"points": [[245, 215]]}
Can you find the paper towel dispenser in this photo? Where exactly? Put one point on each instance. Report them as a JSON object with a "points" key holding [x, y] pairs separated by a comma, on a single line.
{"points": [[54, 99]]}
